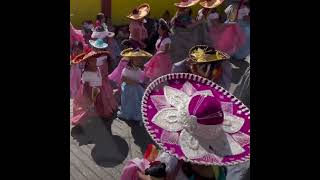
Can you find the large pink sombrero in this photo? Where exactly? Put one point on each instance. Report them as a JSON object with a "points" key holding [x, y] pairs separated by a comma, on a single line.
{"points": [[196, 120]]}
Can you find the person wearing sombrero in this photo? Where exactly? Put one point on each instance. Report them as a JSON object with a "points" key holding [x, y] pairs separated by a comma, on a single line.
{"points": [[197, 122], [207, 7], [160, 64], [244, 22], [132, 86], [99, 32], [138, 32], [100, 45], [182, 19], [206, 62], [228, 37], [94, 97]]}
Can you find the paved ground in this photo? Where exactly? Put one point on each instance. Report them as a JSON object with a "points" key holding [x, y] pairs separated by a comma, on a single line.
{"points": [[102, 149], [98, 154]]}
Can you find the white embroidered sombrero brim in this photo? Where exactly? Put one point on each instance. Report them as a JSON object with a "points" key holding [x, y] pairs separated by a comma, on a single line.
{"points": [[166, 118]]}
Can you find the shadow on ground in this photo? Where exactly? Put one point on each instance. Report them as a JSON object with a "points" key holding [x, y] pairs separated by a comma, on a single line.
{"points": [[109, 150], [140, 135]]}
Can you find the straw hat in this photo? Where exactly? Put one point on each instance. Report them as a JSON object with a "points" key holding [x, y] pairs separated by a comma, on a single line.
{"points": [[85, 56], [196, 120], [205, 54], [139, 12], [130, 52], [186, 3], [211, 3], [101, 32]]}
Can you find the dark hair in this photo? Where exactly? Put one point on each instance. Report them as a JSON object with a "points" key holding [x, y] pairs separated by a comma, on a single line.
{"points": [[100, 16], [157, 170], [130, 63], [164, 26]]}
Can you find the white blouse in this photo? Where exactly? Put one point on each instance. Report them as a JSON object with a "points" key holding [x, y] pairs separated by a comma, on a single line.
{"points": [[163, 44], [101, 59], [136, 75], [93, 78]]}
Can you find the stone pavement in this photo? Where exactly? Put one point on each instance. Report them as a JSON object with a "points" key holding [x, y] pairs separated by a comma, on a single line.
{"points": [[95, 154], [102, 149]]}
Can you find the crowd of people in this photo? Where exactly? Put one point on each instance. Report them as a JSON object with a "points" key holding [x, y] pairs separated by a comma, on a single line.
{"points": [[173, 76]]}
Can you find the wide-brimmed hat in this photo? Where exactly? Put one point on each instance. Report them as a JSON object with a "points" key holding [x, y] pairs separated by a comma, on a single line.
{"points": [[98, 43], [85, 56], [139, 12], [130, 53], [211, 3], [186, 3], [101, 33], [205, 54], [196, 120], [231, 12]]}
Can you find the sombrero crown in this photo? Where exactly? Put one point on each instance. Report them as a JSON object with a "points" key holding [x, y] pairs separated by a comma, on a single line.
{"points": [[196, 120], [205, 54]]}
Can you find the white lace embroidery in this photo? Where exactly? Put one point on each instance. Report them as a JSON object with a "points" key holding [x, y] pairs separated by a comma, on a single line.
{"points": [[169, 137], [232, 123], [177, 118], [160, 102], [241, 138]]}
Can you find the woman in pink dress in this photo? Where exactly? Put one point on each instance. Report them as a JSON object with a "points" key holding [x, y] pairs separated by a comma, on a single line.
{"points": [[160, 64], [95, 96], [227, 37], [76, 35], [138, 33], [75, 70]]}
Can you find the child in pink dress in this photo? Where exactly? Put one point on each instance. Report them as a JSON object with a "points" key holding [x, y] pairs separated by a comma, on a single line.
{"points": [[94, 97], [75, 71], [160, 64]]}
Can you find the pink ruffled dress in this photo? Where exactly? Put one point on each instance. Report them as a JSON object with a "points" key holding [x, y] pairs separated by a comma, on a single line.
{"points": [[105, 104], [130, 170], [75, 79], [228, 37], [138, 33], [116, 73], [76, 35], [160, 64]]}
